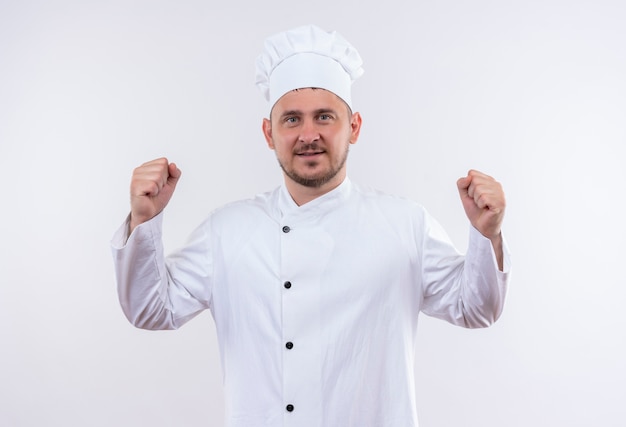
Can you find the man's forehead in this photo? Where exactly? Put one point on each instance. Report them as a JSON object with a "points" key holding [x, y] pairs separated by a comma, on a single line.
{"points": [[306, 100]]}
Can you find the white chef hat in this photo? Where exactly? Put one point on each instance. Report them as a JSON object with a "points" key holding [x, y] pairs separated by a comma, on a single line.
{"points": [[307, 57]]}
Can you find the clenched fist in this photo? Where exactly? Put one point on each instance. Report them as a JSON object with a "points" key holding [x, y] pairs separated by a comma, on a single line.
{"points": [[484, 203], [151, 188]]}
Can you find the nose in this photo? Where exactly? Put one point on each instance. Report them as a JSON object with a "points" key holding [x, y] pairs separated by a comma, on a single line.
{"points": [[308, 132]]}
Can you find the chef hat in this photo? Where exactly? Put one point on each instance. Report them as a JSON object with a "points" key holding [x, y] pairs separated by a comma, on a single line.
{"points": [[307, 57]]}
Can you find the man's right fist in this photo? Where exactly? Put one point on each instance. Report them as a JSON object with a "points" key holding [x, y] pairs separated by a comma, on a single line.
{"points": [[151, 188]]}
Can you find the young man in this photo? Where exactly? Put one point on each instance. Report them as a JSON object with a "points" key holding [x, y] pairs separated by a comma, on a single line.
{"points": [[315, 287]]}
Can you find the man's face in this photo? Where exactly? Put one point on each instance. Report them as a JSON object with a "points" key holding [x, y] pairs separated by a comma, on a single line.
{"points": [[310, 130]]}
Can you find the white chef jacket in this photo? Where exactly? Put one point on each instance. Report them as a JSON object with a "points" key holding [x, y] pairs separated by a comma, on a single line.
{"points": [[315, 306]]}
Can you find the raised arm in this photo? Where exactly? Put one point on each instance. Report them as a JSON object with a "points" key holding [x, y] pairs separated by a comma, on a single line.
{"points": [[156, 293]]}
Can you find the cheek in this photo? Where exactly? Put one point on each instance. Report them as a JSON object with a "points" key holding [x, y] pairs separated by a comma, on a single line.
{"points": [[281, 148], [284, 139]]}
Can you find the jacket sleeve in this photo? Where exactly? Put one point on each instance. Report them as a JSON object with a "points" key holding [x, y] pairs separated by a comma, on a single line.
{"points": [[468, 290], [155, 292]]}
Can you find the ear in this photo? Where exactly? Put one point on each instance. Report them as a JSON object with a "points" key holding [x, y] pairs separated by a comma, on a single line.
{"points": [[355, 127], [267, 132]]}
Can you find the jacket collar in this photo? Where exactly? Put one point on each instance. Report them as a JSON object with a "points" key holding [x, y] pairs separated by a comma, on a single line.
{"points": [[315, 207]]}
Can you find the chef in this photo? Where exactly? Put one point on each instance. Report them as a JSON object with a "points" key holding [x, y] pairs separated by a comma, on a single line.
{"points": [[315, 287]]}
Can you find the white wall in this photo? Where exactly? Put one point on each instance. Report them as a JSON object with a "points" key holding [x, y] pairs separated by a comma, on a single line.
{"points": [[532, 92]]}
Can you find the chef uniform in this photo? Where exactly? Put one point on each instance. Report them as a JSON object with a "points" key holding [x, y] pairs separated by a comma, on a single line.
{"points": [[315, 306]]}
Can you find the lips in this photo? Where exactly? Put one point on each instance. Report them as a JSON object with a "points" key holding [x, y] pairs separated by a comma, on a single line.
{"points": [[309, 153], [309, 150]]}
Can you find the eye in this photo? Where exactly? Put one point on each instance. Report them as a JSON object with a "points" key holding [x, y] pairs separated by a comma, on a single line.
{"points": [[325, 117], [291, 120]]}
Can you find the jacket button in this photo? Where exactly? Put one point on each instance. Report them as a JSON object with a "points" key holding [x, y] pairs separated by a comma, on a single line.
{"points": [[289, 408], [286, 229], [287, 284], [289, 345]]}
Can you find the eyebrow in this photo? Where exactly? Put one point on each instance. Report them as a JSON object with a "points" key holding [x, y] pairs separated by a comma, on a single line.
{"points": [[291, 113]]}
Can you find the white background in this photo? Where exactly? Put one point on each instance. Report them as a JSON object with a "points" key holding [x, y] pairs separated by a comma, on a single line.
{"points": [[531, 92]]}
